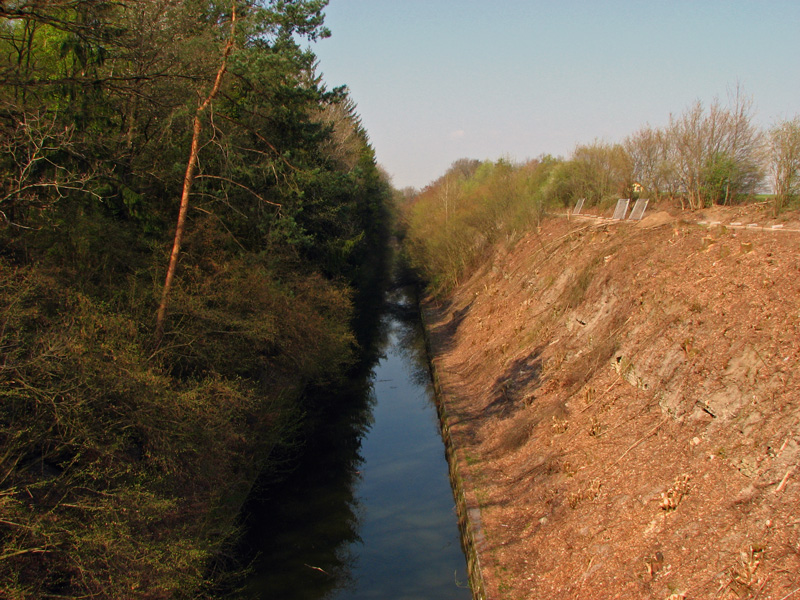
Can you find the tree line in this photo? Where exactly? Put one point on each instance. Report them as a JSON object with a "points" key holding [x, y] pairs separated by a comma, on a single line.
{"points": [[190, 223], [704, 156], [449, 226]]}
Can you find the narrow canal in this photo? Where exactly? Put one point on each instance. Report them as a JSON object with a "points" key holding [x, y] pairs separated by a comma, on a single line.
{"points": [[369, 512]]}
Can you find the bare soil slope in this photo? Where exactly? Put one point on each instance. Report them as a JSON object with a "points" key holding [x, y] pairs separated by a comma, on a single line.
{"points": [[625, 399]]}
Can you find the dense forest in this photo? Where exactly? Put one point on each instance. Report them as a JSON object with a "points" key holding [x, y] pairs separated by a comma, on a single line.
{"points": [[190, 224]]}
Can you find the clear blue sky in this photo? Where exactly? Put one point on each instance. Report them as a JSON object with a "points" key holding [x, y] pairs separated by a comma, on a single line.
{"points": [[439, 80]]}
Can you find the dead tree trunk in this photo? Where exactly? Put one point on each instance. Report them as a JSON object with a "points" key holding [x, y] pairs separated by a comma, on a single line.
{"points": [[188, 180]]}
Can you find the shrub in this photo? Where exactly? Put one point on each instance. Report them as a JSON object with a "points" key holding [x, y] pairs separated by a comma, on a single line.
{"points": [[453, 221]]}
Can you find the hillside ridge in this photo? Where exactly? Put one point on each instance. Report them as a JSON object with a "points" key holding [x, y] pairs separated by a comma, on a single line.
{"points": [[623, 398]]}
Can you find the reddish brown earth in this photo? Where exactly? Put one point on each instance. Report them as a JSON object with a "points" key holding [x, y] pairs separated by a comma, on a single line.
{"points": [[625, 399]]}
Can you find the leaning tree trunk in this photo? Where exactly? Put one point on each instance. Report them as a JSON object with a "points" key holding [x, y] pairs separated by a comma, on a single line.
{"points": [[188, 180]]}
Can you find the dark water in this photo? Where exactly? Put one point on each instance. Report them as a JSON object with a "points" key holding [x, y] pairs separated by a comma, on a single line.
{"points": [[369, 513]]}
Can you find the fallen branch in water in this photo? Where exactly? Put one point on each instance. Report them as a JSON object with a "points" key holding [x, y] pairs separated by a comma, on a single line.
{"points": [[316, 569]]}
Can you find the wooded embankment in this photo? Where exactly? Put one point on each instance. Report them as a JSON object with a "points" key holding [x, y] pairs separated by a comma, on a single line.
{"points": [[191, 228]]}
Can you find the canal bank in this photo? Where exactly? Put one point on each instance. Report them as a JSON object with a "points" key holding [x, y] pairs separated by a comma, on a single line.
{"points": [[464, 490]]}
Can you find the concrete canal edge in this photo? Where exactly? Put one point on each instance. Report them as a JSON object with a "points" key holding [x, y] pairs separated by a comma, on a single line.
{"points": [[464, 491]]}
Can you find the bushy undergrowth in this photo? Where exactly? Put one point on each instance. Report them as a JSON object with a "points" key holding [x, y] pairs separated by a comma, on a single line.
{"points": [[123, 466], [453, 222], [136, 410]]}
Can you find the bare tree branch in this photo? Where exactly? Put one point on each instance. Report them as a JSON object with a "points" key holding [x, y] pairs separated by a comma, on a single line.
{"points": [[241, 185]]}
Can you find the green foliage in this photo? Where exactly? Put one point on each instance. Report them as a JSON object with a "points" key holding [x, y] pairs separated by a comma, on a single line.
{"points": [[784, 162], [451, 224], [705, 156], [122, 468], [597, 172], [113, 472], [253, 317], [720, 174], [124, 462]]}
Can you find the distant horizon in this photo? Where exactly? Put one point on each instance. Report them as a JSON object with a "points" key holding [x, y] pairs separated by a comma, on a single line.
{"points": [[441, 80]]}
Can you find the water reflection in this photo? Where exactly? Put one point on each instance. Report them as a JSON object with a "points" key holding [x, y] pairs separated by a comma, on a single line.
{"points": [[410, 344], [369, 513], [302, 528]]}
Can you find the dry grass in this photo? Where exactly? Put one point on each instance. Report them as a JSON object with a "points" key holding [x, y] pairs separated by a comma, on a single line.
{"points": [[708, 352]]}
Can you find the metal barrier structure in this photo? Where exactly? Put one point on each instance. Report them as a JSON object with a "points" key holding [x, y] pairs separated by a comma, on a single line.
{"points": [[638, 210], [621, 210]]}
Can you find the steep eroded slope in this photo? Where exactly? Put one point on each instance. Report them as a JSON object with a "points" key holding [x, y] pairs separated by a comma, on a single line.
{"points": [[625, 400]]}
